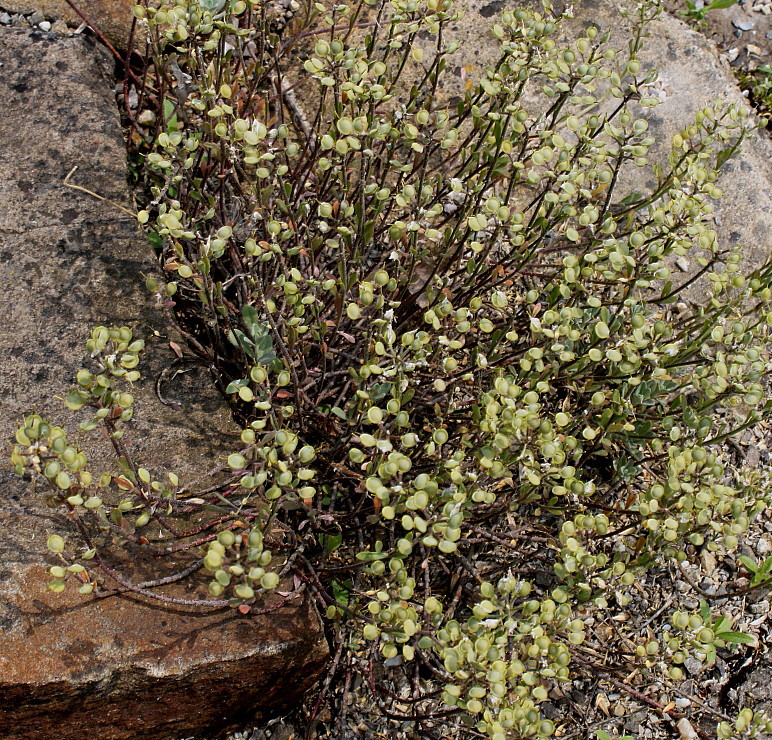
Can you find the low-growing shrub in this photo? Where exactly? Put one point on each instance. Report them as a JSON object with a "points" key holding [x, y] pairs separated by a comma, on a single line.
{"points": [[477, 404]]}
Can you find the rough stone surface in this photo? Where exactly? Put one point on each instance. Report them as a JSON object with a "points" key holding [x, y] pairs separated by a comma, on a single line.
{"points": [[70, 666], [112, 17], [691, 76]]}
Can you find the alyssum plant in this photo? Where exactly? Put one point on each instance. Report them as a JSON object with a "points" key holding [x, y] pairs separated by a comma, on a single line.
{"points": [[476, 406]]}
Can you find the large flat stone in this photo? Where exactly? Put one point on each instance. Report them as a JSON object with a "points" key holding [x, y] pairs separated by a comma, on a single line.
{"points": [[73, 666], [691, 76]]}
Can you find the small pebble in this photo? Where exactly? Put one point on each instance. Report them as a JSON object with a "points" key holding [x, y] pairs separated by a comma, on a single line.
{"points": [[44, 26], [732, 54], [146, 118], [36, 18], [685, 729], [744, 25], [764, 545], [708, 560], [681, 702], [682, 264], [5, 19]]}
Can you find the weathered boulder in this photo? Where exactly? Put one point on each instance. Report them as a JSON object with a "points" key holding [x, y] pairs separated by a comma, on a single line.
{"points": [[73, 666], [691, 76]]}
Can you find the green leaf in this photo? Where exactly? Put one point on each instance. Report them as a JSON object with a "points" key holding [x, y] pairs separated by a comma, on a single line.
{"points": [[710, 655], [155, 239], [170, 116], [339, 412], [766, 566], [368, 557], [723, 156], [237, 462], [367, 232], [627, 201], [340, 592], [55, 543], [602, 735], [238, 339], [236, 385], [379, 391], [749, 563], [738, 638], [74, 401], [332, 542], [252, 320], [260, 348], [263, 343], [721, 4]]}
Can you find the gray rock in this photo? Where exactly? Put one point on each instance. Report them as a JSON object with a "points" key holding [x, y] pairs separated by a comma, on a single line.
{"points": [[691, 76], [73, 666], [61, 28]]}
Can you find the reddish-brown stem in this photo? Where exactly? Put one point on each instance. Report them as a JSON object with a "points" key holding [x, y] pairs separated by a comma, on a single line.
{"points": [[103, 39]]}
